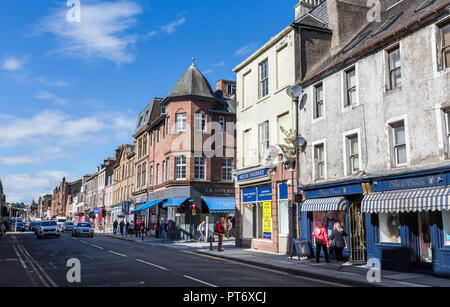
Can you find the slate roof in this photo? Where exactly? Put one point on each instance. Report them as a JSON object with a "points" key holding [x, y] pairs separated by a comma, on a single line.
{"points": [[145, 117], [192, 83], [318, 18], [369, 39]]}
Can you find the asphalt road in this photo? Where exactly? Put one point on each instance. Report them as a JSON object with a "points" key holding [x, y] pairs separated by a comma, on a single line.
{"points": [[108, 262]]}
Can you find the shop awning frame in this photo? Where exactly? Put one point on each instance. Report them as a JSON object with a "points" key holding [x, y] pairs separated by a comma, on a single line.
{"points": [[147, 205], [220, 204], [325, 204], [175, 202], [413, 200]]}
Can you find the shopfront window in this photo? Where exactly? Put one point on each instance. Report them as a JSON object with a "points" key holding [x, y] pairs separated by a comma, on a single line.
{"points": [[284, 216], [389, 224], [328, 218], [253, 221], [446, 223]]}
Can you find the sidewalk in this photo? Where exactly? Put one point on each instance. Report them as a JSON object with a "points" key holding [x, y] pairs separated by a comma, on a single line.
{"points": [[351, 274]]}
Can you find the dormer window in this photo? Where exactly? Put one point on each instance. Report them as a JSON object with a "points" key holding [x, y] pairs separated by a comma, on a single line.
{"points": [[163, 110]]}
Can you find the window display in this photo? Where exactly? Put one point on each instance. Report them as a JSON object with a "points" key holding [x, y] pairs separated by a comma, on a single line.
{"points": [[389, 224], [329, 218], [446, 223]]}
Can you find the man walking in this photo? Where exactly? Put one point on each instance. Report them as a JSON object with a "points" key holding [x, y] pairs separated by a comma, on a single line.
{"points": [[229, 227], [202, 229], [221, 231], [138, 228], [163, 229], [122, 225], [143, 230], [115, 227]]}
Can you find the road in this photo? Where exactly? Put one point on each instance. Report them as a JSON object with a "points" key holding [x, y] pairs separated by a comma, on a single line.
{"points": [[108, 262]]}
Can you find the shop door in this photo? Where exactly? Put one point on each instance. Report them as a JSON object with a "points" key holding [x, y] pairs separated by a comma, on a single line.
{"points": [[426, 251], [357, 234]]}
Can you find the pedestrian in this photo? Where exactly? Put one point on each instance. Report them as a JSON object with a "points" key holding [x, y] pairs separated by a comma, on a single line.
{"points": [[115, 224], [157, 229], [138, 228], [321, 235], [229, 227], [163, 229], [220, 228], [2, 229], [143, 230], [122, 225], [131, 228], [127, 229], [202, 229], [338, 240]]}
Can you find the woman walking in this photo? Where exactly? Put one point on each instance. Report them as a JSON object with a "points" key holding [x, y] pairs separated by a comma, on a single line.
{"points": [[321, 235], [337, 239]]}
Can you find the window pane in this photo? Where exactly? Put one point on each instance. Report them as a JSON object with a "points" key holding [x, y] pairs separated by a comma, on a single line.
{"points": [[284, 217], [446, 35], [399, 133], [401, 154], [351, 78], [352, 96], [394, 59], [389, 224], [319, 93], [396, 78], [446, 224]]}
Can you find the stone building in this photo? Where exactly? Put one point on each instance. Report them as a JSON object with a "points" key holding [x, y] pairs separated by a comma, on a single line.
{"points": [[105, 174], [62, 198], [376, 118], [44, 207], [266, 170], [227, 87], [190, 147], [3, 208], [124, 182]]}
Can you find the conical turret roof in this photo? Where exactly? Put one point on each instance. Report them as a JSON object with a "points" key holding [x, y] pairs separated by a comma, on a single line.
{"points": [[192, 83]]}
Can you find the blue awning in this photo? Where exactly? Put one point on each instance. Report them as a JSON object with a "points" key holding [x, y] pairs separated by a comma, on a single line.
{"points": [[414, 200], [148, 205], [325, 204], [220, 204], [174, 202]]}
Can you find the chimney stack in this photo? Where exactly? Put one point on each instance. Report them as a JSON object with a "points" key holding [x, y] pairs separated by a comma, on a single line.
{"points": [[305, 6], [346, 18]]}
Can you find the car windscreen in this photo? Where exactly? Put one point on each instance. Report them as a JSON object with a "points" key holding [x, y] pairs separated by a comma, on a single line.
{"points": [[61, 220], [70, 224], [84, 225], [48, 224]]}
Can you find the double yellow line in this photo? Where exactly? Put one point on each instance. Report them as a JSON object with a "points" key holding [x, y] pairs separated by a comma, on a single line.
{"points": [[40, 272]]}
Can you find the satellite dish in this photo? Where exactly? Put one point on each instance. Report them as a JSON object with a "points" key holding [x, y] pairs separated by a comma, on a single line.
{"points": [[271, 158], [302, 103], [299, 142], [294, 91]]}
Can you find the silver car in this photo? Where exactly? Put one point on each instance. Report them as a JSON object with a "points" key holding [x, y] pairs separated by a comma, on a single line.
{"points": [[67, 227], [83, 229], [48, 229]]}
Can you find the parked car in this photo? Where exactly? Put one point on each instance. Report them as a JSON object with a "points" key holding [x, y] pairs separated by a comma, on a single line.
{"points": [[48, 229], [61, 221], [36, 227], [18, 226], [83, 229], [67, 227]]}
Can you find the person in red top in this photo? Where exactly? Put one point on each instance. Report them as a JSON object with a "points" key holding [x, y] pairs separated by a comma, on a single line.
{"points": [[321, 235], [138, 228], [220, 228]]}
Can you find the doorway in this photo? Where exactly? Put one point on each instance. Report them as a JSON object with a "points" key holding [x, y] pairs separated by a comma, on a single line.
{"points": [[425, 245], [357, 234]]}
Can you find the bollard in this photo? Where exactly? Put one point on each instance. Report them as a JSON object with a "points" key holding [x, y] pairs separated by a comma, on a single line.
{"points": [[210, 244]]}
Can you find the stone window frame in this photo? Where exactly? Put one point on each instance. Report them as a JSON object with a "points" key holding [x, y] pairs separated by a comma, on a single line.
{"points": [[347, 164], [315, 176], [198, 167]]}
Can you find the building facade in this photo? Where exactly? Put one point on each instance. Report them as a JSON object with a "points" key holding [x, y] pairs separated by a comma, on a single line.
{"points": [[124, 183], [191, 149], [376, 122], [62, 198], [44, 207], [3, 208]]}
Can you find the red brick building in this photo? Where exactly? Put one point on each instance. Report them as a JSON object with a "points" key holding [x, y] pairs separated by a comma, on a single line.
{"points": [[190, 147], [62, 198]]}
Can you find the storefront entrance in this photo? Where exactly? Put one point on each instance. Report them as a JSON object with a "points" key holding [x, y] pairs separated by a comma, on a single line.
{"points": [[425, 246], [357, 234]]}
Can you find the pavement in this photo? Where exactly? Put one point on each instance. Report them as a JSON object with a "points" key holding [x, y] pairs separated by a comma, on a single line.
{"points": [[355, 275], [104, 261]]}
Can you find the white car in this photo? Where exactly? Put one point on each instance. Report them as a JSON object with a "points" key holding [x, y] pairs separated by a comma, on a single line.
{"points": [[83, 229], [48, 229]]}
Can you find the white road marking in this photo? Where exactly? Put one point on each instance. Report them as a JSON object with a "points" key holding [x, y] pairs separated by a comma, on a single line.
{"points": [[52, 265], [96, 246], [200, 281], [83, 242], [118, 254], [20, 258], [156, 266]]}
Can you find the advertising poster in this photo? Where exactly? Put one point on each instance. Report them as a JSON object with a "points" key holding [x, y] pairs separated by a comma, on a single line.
{"points": [[267, 220]]}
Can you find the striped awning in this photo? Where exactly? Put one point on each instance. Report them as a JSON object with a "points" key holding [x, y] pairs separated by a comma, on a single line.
{"points": [[325, 204], [427, 199]]}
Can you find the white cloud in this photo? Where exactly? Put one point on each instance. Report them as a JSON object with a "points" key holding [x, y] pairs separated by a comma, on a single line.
{"points": [[52, 83], [13, 63], [102, 32], [44, 95], [39, 157], [58, 128], [25, 187], [17, 160], [245, 50], [171, 27], [220, 64]]}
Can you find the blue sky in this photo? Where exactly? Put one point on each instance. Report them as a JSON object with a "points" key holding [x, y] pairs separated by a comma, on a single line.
{"points": [[70, 92]]}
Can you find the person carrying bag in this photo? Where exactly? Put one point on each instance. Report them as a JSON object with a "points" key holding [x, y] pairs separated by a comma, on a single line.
{"points": [[321, 238], [338, 242]]}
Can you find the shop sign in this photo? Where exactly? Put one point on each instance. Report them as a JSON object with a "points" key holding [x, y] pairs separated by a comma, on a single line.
{"points": [[141, 199], [267, 220], [249, 195], [283, 191], [333, 192], [265, 193], [253, 175], [257, 194], [410, 183]]}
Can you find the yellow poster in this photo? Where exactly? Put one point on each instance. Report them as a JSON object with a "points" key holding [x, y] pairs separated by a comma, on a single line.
{"points": [[267, 220]]}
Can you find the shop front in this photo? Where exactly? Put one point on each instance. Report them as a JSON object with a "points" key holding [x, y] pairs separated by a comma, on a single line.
{"points": [[408, 222], [266, 218], [339, 202]]}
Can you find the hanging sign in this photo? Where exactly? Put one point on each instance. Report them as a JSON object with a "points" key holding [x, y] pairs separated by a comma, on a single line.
{"points": [[267, 220]]}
